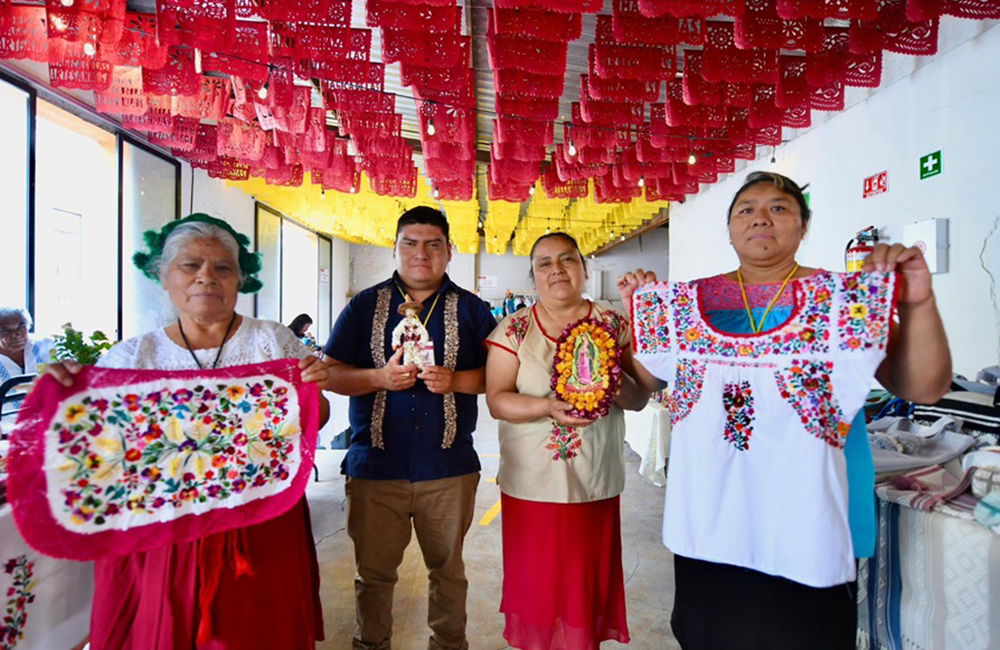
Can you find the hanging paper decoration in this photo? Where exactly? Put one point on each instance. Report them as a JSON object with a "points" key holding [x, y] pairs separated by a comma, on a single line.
{"points": [[537, 23], [631, 27], [684, 8]]}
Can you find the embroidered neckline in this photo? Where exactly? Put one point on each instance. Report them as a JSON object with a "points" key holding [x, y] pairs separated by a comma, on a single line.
{"points": [[798, 295], [538, 321]]}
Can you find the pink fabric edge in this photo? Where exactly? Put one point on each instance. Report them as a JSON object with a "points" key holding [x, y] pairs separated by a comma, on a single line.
{"points": [[27, 485]]}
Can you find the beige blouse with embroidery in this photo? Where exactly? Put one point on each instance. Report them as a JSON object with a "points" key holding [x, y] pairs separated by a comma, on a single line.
{"points": [[538, 460]]}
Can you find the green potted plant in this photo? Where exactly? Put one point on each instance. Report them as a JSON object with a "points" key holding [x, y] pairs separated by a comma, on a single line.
{"points": [[74, 344]]}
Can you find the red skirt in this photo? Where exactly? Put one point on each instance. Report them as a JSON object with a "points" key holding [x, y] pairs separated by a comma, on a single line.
{"points": [[563, 585], [254, 587]]}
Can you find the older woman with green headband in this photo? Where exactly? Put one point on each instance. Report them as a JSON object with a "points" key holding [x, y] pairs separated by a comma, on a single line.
{"points": [[265, 577]]}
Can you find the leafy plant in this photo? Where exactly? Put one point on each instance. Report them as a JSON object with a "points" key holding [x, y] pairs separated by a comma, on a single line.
{"points": [[74, 344]]}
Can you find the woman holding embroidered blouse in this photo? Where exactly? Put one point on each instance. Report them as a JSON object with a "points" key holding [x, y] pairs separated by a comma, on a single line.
{"points": [[251, 587], [770, 493], [560, 476]]}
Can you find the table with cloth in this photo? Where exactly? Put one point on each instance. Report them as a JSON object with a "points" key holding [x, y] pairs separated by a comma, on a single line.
{"points": [[647, 432], [934, 583], [44, 599]]}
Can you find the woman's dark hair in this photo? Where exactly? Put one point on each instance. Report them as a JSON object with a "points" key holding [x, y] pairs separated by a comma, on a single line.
{"points": [[299, 323], [561, 235], [423, 215], [783, 183]]}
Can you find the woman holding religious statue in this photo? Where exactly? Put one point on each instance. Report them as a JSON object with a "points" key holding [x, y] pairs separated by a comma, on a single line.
{"points": [[250, 587], [770, 491], [557, 385]]}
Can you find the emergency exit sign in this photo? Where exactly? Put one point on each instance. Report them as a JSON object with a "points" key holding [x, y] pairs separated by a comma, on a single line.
{"points": [[930, 165], [877, 184]]}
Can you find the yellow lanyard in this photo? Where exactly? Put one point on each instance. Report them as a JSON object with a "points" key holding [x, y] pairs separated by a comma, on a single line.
{"points": [[746, 303], [407, 298]]}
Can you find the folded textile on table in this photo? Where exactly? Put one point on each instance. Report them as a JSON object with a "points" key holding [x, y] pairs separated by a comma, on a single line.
{"points": [[978, 412], [899, 444], [126, 460], [932, 489]]}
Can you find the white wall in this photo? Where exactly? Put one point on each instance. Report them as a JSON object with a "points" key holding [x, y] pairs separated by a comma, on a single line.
{"points": [[649, 251], [950, 104]]}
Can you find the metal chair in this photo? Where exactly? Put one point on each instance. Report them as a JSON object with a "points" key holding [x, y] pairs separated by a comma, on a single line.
{"points": [[12, 393]]}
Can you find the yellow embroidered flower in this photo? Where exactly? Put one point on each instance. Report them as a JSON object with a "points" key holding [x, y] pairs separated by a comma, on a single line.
{"points": [[75, 413], [254, 424], [858, 311], [744, 350], [692, 334], [173, 431], [288, 429], [174, 467], [234, 393]]}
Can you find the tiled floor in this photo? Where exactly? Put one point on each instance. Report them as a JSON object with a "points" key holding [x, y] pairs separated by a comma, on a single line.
{"points": [[648, 568]]}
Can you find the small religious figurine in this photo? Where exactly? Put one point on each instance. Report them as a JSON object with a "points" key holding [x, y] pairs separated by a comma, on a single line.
{"points": [[413, 337]]}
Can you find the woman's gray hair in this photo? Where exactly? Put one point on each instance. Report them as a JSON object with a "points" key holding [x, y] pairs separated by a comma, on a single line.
{"points": [[188, 232], [16, 312]]}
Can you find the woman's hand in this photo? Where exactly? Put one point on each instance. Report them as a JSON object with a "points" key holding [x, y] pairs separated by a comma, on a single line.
{"points": [[628, 283], [314, 370], [559, 411], [63, 371], [915, 278]]}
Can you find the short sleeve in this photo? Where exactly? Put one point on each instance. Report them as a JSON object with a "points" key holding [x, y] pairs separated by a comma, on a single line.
{"points": [[289, 346], [345, 342], [619, 325], [510, 333], [484, 324], [865, 308], [651, 329]]}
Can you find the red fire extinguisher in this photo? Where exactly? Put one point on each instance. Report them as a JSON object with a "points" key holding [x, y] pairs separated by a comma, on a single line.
{"points": [[860, 247]]}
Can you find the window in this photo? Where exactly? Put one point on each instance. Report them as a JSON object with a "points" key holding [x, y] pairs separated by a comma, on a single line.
{"points": [[299, 277], [149, 201], [76, 224], [14, 114], [269, 245]]}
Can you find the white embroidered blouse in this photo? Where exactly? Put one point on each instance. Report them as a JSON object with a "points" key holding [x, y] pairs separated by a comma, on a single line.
{"points": [[757, 473], [254, 341]]}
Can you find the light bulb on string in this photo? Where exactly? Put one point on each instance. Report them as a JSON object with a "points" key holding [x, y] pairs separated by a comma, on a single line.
{"points": [[89, 49], [773, 160], [262, 93], [67, 3], [692, 159], [642, 181], [197, 61], [430, 126], [623, 237], [58, 23], [531, 191], [322, 194], [572, 148], [435, 193]]}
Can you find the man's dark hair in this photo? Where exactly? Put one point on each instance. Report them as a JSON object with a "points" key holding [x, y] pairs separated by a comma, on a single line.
{"points": [[424, 215], [783, 183]]}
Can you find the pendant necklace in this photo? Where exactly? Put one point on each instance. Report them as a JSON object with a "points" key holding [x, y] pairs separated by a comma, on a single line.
{"points": [[218, 354], [754, 327]]}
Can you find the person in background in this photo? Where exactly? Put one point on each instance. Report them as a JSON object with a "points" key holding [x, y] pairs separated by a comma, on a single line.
{"points": [[20, 353], [300, 327], [411, 464], [718, 604], [560, 476], [252, 587]]}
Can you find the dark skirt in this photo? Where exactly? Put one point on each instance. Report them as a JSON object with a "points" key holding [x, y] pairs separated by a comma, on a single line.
{"points": [[725, 607]]}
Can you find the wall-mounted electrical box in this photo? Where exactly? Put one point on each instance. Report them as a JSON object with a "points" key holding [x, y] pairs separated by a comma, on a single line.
{"points": [[931, 237]]}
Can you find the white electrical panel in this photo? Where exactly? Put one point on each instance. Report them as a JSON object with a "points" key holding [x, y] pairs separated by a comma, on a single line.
{"points": [[931, 237]]}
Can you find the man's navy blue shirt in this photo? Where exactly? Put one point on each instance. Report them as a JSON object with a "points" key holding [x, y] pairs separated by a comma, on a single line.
{"points": [[413, 429]]}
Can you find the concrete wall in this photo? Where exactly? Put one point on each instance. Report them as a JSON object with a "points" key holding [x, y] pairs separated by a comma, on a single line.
{"points": [[949, 105]]}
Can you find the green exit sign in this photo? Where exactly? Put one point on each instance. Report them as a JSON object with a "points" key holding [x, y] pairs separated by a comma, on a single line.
{"points": [[930, 165]]}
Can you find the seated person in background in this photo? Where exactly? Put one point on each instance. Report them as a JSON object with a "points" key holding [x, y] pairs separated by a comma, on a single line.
{"points": [[300, 327], [19, 353]]}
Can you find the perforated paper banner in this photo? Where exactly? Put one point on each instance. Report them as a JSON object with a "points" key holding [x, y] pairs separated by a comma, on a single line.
{"points": [[126, 460]]}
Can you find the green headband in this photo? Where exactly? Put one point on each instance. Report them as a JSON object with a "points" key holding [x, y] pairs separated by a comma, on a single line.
{"points": [[148, 262]]}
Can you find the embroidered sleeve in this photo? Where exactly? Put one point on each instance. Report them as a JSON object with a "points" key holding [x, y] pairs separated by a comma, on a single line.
{"points": [[652, 331], [864, 314], [510, 333], [620, 325]]}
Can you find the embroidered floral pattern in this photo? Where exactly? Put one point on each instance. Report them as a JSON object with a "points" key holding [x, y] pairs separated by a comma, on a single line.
{"points": [[651, 326], [863, 319], [616, 320], [564, 442], [159, 450], [517, 329], [738, 402], [807, 387], [686, 390], [807, 333], [18, 597], [378, 357], [450, 361]]}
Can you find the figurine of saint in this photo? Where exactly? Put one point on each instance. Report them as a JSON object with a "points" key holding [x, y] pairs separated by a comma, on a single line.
{"points": [[412, 336]]}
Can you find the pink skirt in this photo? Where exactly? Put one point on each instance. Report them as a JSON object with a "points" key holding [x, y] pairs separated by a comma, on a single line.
{"points": [[254, 587], [563, 585]]}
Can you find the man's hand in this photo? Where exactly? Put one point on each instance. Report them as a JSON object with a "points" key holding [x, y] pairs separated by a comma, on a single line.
{"points": [[437, 379], [314, 370], [396, 376]]}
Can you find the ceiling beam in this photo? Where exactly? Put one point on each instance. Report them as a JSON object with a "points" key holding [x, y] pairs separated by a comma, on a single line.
{"points": [[660, 219]]}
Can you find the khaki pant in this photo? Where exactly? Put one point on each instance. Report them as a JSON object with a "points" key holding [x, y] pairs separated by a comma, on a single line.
{"points": [[378, 520]]}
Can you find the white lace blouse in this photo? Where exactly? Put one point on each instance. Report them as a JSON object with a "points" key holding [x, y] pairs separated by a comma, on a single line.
{"points": [[255, 341]]}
